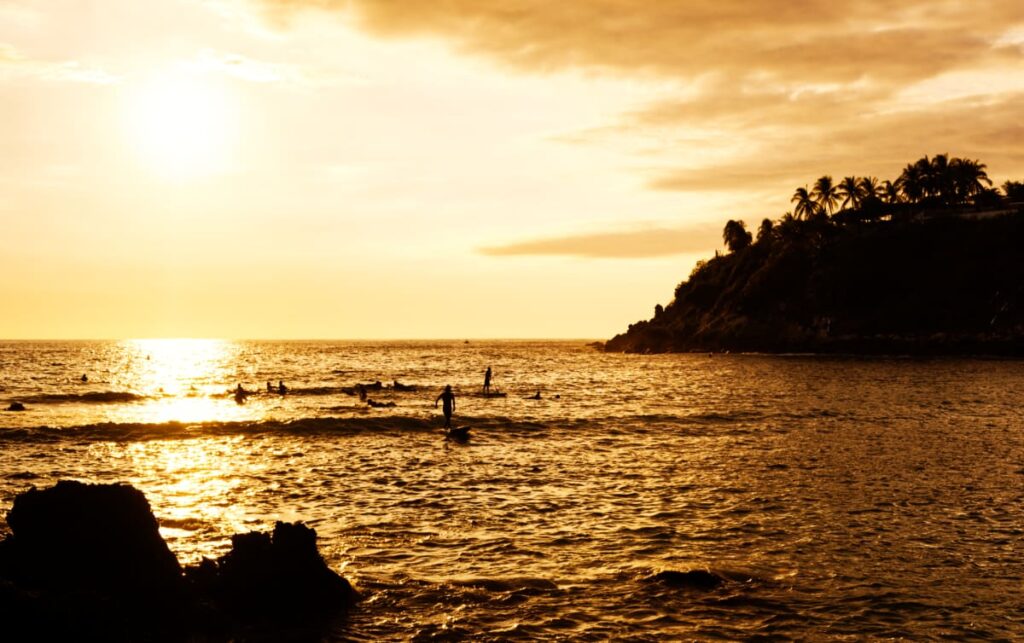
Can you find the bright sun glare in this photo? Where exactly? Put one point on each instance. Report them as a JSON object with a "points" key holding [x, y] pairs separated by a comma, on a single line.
{"points": [[181, 125]]}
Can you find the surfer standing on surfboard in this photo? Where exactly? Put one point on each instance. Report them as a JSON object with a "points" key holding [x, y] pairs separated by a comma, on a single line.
{"points": [[487, 380], [449, 405]]}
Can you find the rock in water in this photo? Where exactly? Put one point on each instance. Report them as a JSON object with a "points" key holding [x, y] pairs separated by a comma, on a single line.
{"points": [[279, 575], [694, 579], [85, 562], [16, 406], [92, 537]]}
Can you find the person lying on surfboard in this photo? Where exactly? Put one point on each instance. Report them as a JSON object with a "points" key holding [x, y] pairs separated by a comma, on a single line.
{"points": [[449, 405]]}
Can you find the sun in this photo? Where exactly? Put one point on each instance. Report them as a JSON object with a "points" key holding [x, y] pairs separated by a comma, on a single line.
{"points": [[181, 125]]}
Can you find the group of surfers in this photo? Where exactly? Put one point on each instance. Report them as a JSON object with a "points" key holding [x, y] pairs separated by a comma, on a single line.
{"points": [[241, 393], [447, 396]]}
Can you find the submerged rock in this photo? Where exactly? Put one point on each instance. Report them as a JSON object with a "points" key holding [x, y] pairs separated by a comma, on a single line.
{"points": [[694, 579], [16, 406]]}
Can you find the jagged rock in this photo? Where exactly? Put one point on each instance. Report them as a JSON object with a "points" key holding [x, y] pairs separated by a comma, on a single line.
{"points": [[16, 406], [278, 576]]}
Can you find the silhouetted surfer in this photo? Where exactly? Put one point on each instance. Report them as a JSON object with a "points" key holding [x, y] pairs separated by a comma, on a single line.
{"points": [[85, 378], [270, 387], [487, 380], [240, 394], [281, 388], [449, 405]]}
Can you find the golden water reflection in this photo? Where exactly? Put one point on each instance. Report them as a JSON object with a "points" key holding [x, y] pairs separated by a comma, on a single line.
{"points": [[183, 380], [198, 489]]}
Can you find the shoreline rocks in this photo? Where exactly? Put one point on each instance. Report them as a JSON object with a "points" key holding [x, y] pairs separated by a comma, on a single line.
{"points": [[87, 562]]}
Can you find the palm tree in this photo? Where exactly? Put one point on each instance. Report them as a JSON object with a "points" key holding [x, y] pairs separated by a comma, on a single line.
{"points": [[912, 181], [869, 186], [764, 232], [825, 194], [805, 208], [923, 170], [969, 178], [736, 236], [941, 178], [890, 192], [850, 191]]}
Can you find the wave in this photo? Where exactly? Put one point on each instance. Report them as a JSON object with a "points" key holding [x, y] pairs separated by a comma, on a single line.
{"points": [[93, 397], [318, 426], [131, 432]]}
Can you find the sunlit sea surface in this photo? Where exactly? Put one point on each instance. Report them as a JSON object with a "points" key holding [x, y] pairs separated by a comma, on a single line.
{"points": [[837, 497]]}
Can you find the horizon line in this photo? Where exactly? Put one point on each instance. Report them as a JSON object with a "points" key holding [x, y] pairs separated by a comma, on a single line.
{"points": [[301, 339]]}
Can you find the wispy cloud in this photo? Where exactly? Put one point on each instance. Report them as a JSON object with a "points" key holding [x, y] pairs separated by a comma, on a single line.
{"points": [[14, 64], [630, 244]]}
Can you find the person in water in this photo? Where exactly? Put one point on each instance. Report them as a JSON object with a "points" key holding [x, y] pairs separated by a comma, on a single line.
{"points": [[85, 378], [240, 394], [449, 405], [270, 387], [487, 380], [281, 388]]}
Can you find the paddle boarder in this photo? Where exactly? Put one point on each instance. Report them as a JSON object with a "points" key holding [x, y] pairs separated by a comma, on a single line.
{"points": [[449, 405], [487, 381]]}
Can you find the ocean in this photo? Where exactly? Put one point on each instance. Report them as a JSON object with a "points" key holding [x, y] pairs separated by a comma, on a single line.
{"points": [[825, 497]]}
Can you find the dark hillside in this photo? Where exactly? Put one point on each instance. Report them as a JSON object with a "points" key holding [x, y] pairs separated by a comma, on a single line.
{"points": [[947, 284]]}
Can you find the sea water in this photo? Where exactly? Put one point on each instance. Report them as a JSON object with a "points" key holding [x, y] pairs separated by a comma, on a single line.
{"points": [[833, 497]]}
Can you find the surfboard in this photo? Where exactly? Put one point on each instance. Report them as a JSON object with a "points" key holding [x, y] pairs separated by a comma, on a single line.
{"points": [[459, 433]]}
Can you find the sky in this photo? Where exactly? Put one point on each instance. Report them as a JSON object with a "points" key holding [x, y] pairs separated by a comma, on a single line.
{"points": [[360, 169]]}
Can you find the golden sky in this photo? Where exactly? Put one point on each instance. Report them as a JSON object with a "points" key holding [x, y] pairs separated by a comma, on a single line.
{"points": [[378, 169]]}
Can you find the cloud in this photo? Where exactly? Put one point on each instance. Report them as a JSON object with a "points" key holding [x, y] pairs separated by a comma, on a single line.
{"points": [[634, 244], [790, 39], [13, 64], [263, 72], [880, 144], [758, 95]]}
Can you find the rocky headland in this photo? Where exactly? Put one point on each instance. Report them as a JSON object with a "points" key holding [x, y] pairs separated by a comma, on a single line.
{"points": [[932, 273]]}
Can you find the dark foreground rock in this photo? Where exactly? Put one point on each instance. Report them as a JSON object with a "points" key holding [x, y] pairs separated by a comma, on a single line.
{"points": [[279, 576], [86, 562]]}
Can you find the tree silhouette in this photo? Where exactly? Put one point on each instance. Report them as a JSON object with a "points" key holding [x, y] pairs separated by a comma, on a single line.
{"points": [[968, 178], [869, 186], [849, 190], [890, 192], [1014, 191], [825, 194], [940, 178], [736, 236], [805, 208], [912, 181]]}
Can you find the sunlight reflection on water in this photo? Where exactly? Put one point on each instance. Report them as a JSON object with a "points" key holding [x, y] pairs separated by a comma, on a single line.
{"points": [[842, 498]]}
